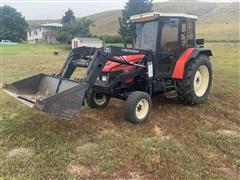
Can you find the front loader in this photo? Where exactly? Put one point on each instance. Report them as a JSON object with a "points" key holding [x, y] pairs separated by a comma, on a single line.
{"points": [[165, 57]]}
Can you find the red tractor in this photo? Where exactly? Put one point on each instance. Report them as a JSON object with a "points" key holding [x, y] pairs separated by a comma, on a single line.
{"points": [[165, 57]]}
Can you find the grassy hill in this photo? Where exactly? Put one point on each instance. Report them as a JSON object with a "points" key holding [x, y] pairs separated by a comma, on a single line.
{"points": [[217, 21], [105, 22]]}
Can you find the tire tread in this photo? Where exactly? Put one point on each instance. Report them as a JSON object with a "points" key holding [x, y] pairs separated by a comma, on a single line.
{"points": [[130, 105], [184, 86]]}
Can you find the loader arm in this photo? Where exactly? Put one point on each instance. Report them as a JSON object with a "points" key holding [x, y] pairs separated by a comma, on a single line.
{"points": [[97, 62], [58, 94], [76, 54]]}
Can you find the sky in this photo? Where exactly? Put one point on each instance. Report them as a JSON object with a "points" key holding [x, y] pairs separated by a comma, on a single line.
{"points": [[54, 9]]}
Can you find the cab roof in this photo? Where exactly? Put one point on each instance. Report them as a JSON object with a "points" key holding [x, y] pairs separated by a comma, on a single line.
{"points": [[155, 15]]}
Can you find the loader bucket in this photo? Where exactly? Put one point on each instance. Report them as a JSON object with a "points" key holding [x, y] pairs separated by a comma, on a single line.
{"points": [[50, 94]]}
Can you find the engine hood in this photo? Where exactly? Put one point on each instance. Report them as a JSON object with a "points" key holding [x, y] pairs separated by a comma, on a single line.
{"points": [[110, 66]]}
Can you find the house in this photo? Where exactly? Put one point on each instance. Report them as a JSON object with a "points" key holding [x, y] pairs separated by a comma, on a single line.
{"points": [[45, 33], [90, 42]]}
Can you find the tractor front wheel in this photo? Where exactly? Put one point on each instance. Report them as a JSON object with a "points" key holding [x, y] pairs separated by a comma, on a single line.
{"points": [[97, 100], [138, 107], [194, 88]]}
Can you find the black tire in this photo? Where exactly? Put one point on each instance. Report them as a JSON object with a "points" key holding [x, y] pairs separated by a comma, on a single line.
{"points": [[92, 99], [185, 87], [131, 104]]}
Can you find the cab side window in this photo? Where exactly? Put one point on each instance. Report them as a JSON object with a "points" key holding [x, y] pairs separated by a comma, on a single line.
{"points": [[190, 33], [184, 34], [187, 34]]}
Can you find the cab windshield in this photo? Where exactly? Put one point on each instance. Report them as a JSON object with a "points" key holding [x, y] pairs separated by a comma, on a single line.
{"points": [[146, 35]]}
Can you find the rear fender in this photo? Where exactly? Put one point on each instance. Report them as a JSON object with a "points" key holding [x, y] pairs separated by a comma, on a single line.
{"points": [[187, 56]]}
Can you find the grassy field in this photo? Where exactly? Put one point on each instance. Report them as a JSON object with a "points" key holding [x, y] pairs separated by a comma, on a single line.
{"points": [[178, 142]]}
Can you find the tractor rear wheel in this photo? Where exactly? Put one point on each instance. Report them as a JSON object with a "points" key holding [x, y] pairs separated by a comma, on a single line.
{"points": [[97, 99], [194, 88], [138, 107]]}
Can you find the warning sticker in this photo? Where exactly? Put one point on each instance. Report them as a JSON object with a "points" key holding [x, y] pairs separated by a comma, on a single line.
{"points": [[150, 69]]}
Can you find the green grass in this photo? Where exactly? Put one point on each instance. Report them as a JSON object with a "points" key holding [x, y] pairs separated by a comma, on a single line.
{"points": [[219, 32], [178, 142]]}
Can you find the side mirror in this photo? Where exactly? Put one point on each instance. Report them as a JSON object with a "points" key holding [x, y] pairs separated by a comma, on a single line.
{"points": [[200, 43], [129, 25]]}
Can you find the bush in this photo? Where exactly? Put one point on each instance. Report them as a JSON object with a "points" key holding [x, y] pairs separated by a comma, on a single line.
{"points": [[113, 39]]}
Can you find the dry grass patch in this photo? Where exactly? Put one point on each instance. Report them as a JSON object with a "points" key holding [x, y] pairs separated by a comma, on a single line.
{"points": [[229, 133], [21, 151], [160, 133], [79, 171]]}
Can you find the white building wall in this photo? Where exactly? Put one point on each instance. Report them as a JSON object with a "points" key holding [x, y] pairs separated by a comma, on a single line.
{"points": [[78, 43], [36, 35], [92, 44]]}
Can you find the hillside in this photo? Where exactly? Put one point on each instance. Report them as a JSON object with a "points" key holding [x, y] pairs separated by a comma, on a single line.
{"points": [[217, 21], [105, 22]]}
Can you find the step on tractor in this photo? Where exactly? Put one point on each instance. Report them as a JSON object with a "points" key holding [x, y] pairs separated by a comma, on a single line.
{"points": [[165, 58]]}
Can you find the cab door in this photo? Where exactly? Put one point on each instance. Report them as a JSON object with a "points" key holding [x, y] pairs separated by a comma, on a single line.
{"points": [[168, 46]]}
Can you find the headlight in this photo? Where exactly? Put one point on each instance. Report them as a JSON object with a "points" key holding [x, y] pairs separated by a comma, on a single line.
{"points": [[104, 78]]}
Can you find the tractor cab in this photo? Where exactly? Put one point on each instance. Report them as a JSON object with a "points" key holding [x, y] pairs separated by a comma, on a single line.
{"points": [[166, 35]]}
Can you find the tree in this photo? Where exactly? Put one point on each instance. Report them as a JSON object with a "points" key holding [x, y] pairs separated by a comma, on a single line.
{"points": [[69, 17], [133, 7], [80, 28], [13, 25]]}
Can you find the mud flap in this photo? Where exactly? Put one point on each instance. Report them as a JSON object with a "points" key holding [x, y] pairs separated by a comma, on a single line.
{"points": [[61, 97]]}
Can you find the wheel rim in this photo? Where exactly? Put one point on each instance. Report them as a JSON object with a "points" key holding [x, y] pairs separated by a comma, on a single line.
{"points": [[142, 108], [100, 99], [201, 80]]}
